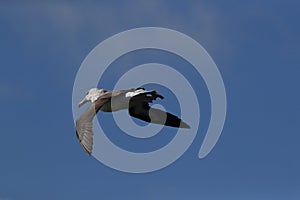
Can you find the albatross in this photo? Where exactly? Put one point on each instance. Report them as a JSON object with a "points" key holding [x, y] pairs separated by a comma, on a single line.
{"points": [[135, 100]]}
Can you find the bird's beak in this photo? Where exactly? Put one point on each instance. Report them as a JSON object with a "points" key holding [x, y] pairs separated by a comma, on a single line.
{"points": [[82, 102]]}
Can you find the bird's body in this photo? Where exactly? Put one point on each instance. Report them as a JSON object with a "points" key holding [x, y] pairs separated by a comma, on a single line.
{"points": [[119, 101], [136, 101]]}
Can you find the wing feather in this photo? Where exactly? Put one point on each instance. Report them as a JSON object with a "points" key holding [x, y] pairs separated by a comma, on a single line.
{"points": [[139, 108], [84, 124]]}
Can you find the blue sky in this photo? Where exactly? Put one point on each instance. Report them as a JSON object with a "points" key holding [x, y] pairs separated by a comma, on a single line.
{"points": [[255, 45]]}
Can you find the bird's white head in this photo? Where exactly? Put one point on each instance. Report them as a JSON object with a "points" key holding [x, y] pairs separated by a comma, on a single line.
{"points": [[92, 95]]}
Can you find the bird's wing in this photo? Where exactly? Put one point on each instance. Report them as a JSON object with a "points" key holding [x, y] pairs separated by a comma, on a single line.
{"points": [[139, 108], [84, 125]]}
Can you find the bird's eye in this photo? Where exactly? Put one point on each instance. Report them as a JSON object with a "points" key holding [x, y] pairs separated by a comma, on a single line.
{"points": [[87, 93]]}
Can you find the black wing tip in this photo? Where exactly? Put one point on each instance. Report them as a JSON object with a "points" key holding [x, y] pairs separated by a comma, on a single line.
{"points": [[177, 124], [184, 125], [159, 96], [155, 94]]}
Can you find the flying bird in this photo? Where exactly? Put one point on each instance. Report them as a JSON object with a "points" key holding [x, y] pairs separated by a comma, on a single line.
{"points": [[135, 100]]}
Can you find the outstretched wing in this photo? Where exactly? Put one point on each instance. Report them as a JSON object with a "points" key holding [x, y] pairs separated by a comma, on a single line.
{"points": [[139, 108], [84, 125]]}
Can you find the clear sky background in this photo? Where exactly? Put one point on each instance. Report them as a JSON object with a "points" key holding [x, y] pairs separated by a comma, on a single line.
{"points": [[255, 45]]}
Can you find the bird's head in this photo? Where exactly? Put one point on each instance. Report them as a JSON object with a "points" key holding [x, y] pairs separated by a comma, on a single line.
{"points": [[92, 95]]}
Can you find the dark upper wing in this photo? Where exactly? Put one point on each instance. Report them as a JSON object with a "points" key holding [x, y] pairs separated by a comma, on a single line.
{"points": [[139, 108], [84, 126]]}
